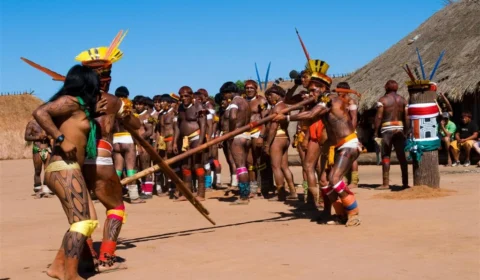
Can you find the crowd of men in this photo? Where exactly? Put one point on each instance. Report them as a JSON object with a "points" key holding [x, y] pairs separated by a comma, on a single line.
{"points": [[91, 142]]}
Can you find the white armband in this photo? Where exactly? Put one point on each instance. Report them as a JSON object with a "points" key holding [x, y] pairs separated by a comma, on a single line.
{"points": [[352, 107], [209, 116], [145, 121], [322, 104], [175, 119], [231, 106], [379, 104], [120, 111], [212, 111]]}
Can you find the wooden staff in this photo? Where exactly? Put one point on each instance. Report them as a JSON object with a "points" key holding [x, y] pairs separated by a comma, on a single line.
{"points": [[169, 172], [212, 142]]}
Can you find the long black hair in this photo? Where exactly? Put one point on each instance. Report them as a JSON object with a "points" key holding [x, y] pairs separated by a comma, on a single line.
{"points": [[83, 82]]}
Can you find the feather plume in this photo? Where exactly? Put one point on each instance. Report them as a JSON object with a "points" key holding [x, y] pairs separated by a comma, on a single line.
{"points": [[54, 75]]}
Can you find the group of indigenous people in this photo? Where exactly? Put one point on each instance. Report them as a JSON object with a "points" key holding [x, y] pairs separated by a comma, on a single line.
{"points": [[82, 137]]}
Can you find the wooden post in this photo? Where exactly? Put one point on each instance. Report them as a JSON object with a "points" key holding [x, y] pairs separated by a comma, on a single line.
{"points": [[426, 171]]}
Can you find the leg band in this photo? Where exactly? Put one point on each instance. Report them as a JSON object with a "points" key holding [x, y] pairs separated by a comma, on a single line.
{"points": [[244, 189], [251, 168], [261, 167], [326, 190], [84, 227], [386, 160], [186, 172], [350, 204], [207, 167], [355, 178], [200, 171], [118, 213], [241, 170], [119, 173], [216, 163], [131, 172], [147, 188], [133, 192], [107, 250], [339, 187]]}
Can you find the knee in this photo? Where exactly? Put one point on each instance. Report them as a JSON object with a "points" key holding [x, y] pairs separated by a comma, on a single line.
{"points": [[85, 227], [308, 166]]}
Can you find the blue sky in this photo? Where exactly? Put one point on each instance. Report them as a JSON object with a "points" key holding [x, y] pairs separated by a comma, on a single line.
{"points": [[197, 43]]}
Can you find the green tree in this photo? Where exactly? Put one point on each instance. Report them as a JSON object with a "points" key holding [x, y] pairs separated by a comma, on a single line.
{"points": [[240, 84]]}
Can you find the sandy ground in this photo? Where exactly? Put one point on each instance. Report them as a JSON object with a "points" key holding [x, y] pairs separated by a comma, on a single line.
{"points": [[398, 239]]}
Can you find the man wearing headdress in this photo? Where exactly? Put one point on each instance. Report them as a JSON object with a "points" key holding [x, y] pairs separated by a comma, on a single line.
{"points": [[392, 120], [340, 130], [125, 151], [258, 108], [41, 150], [100, 174], [238, 115], [191, 127]]}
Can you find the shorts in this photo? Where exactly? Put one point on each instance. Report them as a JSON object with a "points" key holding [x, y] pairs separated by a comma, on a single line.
{"points": [[467, 144]]}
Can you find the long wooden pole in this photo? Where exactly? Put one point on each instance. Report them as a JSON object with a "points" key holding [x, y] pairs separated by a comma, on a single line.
{"points": [[169, 172], [215, 141]]}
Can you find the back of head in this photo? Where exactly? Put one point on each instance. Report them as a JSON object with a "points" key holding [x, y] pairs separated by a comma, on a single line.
{"points": [[82, 82], [390, 86], [343, 85], [138, 99], [122, 92], [229, 87], [277, 90]]}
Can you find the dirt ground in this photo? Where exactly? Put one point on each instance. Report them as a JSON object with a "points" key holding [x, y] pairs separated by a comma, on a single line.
{"points": [[398, 239]]}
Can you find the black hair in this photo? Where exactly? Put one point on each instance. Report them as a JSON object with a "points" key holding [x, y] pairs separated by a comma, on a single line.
{"points": [[218, 98], [139, 99], [149, 102], [277, 90], [157, 98], [229, 87], [167, 98], [122, 91], [343, 85], [83, 82]]}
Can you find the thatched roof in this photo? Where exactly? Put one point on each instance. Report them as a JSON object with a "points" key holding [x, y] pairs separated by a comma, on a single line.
{"points": [[455, 29]]}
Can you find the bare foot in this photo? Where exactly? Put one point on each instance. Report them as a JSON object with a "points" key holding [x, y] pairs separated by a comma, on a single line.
{"points": [[199, 198], [136, 201], [353, 221], [352, 186], [111, 268], [240, 202], [383, 188], [180, 199], [56, 270]]}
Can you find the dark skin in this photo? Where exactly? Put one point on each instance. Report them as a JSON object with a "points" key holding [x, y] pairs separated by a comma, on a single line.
{"points": [[445, 104], [165, 128], [338, 124], [276, 147], [124, 153], [446, 138], [394, 109], [258, 105], [456, 153], [65, 116], [191, 117], [224, 126], [202, 100], [145, 131], [34, 133], [238, 117]]}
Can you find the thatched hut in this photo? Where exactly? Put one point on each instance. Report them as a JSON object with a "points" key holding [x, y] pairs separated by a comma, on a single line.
{"points": [[455, 29]]}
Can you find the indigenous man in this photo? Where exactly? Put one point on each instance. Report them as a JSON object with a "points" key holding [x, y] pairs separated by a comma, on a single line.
{"points": [[165, 132], [154, 119], [100, 174], [392, 119], [201, 97], [124, 151], [238, 115], [352, 108], [276, 146], [258, 105], [145, 131], [340, 131], [225, 145], [41, 151], [313, 146], [191, 127]]}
